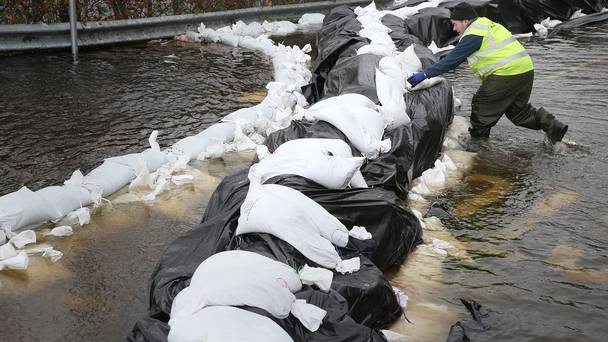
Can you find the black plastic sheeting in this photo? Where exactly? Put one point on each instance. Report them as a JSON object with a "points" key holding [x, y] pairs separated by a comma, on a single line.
{"points": [[338, 37], [588, 19], [473, 328], [371, 300], [519, 16]]}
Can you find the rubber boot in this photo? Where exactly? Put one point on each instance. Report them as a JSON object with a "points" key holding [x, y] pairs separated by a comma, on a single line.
{"points": [[557, 131], [554, 128]]}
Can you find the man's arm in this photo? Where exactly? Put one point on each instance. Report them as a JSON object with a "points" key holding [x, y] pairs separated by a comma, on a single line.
{"points": [[466, 47]]}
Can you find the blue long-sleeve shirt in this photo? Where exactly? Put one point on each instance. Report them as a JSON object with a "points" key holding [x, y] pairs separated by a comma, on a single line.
{"points": [[466, 47]]}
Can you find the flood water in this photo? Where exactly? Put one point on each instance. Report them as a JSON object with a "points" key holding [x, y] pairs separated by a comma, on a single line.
{"points": [[530, 221]]}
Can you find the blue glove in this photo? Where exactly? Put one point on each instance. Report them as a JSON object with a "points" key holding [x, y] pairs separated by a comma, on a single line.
{"points": [[416, 78]]}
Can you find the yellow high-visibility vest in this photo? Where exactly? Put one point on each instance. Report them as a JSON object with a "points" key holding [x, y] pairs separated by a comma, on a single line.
{"points": [[500, 52]]}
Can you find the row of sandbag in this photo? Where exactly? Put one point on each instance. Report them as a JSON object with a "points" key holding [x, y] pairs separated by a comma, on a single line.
{"points": [[430, 20], [153, 170], [341, 69], [295, 168], [354, 303]]}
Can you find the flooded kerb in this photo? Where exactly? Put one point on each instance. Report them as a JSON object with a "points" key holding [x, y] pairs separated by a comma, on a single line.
{"points": [[527, 225]]}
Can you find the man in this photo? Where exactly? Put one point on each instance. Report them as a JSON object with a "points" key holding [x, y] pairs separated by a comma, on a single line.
{"points": [[505, 70]]}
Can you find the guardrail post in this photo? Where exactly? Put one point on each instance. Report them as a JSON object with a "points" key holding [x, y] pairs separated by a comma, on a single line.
{"points": [[73, 31]]}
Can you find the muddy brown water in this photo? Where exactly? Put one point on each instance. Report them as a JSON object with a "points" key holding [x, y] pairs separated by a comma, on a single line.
{"points": [[531, 220]]}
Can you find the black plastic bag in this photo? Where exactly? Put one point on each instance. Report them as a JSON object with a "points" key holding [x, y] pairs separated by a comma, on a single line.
{"points": [[432, 111]]}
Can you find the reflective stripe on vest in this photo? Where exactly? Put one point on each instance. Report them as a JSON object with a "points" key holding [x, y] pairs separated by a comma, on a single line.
{"points": [[495, 47], [499, 53], [505, 61]]}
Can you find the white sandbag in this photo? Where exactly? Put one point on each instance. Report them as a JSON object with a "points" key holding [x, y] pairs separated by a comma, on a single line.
{"points": [[229, 39], [409, 61], [404, 12], [270, 208], [550, 23], [300, 213], [237, 278], [257, 45], [18, 262], [193, 146], [65, 199], [336, 147], [7, 251], [2, 237], [279, 28], [108, 178], [420, 188], [376, 49], [226, 324], [541, 30], [290, 65], [253, 29], [392, 68], [332, 172], [433, 178], [390, 94], [310, 21], [447, 163], [363, 126], [152, 160], [209, 35], [23, 238], [23, 208]]}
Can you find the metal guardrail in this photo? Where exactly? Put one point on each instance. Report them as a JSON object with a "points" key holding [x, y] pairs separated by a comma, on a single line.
{"points": [[57, 36]]}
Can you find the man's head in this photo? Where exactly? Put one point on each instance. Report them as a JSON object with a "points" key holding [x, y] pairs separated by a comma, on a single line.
{"points": [[462, 15]]}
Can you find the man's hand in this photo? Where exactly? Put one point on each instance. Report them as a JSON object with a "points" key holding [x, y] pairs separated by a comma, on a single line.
{"points": [[416, 78]]}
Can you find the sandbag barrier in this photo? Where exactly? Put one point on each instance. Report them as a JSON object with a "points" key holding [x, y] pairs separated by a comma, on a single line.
{"points": [[429, 21], [153, 171], [359, 301]]}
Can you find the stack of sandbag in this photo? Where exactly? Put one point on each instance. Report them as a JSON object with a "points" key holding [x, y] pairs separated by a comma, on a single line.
{"points": [[240, 278], [305, 202]]}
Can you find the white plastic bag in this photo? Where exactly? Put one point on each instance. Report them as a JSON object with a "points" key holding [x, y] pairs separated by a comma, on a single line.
{"points": [[226, 324]]}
